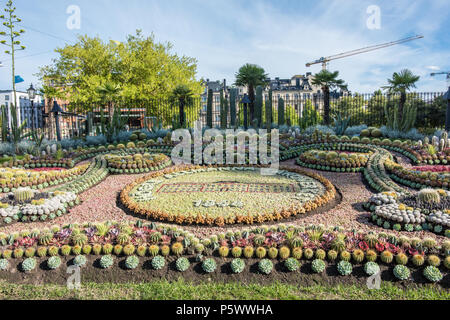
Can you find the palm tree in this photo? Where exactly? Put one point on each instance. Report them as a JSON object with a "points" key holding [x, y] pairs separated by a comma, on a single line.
{"points": [[109, 92], [251, 76], [182, 95], [401, 83], [328, 80]]}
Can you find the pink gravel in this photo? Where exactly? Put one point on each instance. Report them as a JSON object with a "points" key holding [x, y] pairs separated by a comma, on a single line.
{"points": [[100, 204]]}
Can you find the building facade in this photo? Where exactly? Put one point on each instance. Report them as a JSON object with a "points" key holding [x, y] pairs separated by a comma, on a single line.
{"points": [[33, 116]]}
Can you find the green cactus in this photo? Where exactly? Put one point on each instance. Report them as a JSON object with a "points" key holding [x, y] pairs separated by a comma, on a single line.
{"points": [[281, 112], [23, 194], [429, 196]]}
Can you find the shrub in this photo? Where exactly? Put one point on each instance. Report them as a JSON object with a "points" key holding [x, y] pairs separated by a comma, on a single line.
{"points": [[292, 264], [28, 264], [402, 272], [209, 265], [158, 262], [131, 262], [79, 260], [182, 264], [432, 274], [265, 266], [54, 262], [237, 265], [318, 266], [4, 264], [106, 261], [371, 268], [344, 268]]}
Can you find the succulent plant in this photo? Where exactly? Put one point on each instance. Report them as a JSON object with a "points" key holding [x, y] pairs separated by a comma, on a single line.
{"points": [[237, 265], [297, 253], [118, 249], [45, 238], [18, 253], [30, 252], [248, 252], [308, 253], [432, 274], [371, 268], [182, 264], [129, 249], [165, 250], [402, 272], [236, 252], [338, 245], [96, 249], [429, 196], [260, 252], [296, 242], [265, 266], [123, 238], [332, 255], [131, 262], [158, 262], [28, 264], [224, 251], [155, 237], [371, 256], [447, 262], [209, 265], [401, 259], [292, 264], [54, 262], [345, 256], [386, 257], [318, 266], [66, 250], [79, 260], [76, 250], [358, 256], [53, 251], [272, 253], [79, 239], [344, 268], [418, 260], [106, 261], [284, 253], [320, 254], [4, 264], [434, 260], [23, 194], [41, 252]]}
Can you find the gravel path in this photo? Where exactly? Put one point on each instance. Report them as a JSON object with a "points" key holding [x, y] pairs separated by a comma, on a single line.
{"points": [[100, 204]]}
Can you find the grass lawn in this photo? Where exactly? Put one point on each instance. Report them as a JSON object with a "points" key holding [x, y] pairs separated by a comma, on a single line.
{"points": [[180, 290]]}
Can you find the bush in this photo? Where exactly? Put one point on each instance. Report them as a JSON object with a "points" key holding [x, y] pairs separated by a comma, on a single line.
{"points": [[344, 268], [265, 266], [318, 266], [182, 264], [292, 264], [209, 265], [401, 272], [79, 260], [54, 262], [237, 265], [158, 262], [132, 262], [432, 274], [106, 261]]}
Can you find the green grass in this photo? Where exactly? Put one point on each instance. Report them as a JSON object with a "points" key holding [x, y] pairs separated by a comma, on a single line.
{"points": [[180, 290]]}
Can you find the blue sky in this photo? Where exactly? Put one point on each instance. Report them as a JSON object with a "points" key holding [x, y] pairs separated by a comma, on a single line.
{"points": [[281, 36]]}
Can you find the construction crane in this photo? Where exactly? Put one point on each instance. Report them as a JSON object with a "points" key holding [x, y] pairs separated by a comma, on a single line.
{"points": [[324, 60]]}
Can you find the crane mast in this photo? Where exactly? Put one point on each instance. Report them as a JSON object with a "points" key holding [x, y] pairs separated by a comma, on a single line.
{"points": [[324, 60]]}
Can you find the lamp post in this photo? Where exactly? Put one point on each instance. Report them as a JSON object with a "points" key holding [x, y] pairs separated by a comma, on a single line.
{"points": [[56, 111], [447, 117], [246, 101], [31, 95]]}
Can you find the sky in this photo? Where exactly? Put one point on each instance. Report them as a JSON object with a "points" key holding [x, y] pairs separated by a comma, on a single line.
{"points": [[279, 35]]}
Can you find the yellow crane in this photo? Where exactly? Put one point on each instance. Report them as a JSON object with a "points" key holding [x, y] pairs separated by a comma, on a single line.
{"points": [[325, 60]]}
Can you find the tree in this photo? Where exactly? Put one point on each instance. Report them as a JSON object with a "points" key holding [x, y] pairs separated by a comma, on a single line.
{"points": [[401, 83], [251, 76], [145, 69], [10, 22], [328, 81], [182, 95], [109, 93]]}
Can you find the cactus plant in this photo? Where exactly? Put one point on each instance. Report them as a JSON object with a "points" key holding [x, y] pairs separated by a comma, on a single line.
{"points": [[79, 260], [318, 266], [429, 196], [401, 272], [432, 274], [292, 264], [182, 264], [344, 268], [106, 261], [209, 265], [54, 262], [131, 262], [237, 265], [23, 194], [371, 268], [265, 266]]}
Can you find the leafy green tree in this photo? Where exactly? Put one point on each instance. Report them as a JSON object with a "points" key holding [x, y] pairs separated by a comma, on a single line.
{"points": [[328, 81], [251, 76], [109, 92], [10, 21], [182, 95], [401, 82]]}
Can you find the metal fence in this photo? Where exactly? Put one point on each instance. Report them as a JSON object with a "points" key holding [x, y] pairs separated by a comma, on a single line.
{"points": [[302, 110]]}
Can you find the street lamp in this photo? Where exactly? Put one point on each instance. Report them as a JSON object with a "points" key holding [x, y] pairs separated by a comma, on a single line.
{"points": [[32, 95]]}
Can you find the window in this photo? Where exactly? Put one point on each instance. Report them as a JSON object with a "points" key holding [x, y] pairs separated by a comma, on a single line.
{"points": [[6, 97]]}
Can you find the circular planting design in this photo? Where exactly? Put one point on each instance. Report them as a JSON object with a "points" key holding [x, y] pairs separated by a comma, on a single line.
{"points": [[226, 195]]}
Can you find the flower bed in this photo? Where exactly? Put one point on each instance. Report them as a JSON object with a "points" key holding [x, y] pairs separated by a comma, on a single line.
{"points": [[226, 195], [400, 212], [333, 161], [11, 179], [275, 249], [137, 163]]}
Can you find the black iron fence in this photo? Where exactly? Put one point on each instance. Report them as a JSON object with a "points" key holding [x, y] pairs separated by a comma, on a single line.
{"points": [[302, 110]]}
